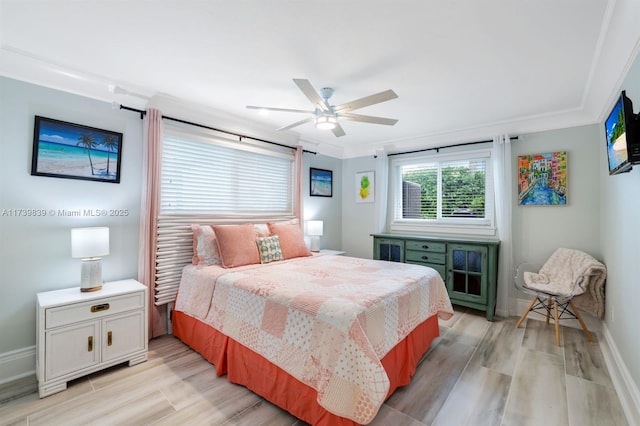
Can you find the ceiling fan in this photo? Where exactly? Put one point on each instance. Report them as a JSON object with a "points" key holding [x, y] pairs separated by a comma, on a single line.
{"points": [[325, 115]]}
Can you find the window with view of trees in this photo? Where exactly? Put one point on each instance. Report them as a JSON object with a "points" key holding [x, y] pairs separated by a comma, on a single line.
{"points": [[433, 190]]}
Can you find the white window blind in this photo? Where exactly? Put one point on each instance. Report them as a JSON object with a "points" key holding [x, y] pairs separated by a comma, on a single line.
{"points": [[216, 176], [207, 179], [451, 190]]}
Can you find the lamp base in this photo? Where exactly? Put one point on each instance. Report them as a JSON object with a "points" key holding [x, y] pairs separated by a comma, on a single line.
{"points": [[88, 289], [315, 243], [91, 274]]}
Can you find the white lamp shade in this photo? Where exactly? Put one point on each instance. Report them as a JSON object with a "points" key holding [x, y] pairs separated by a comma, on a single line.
{"points": [[89, 242], [314, 227]]}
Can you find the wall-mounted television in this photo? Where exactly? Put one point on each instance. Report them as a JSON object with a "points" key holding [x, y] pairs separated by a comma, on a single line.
{"points": [[623, 136]]}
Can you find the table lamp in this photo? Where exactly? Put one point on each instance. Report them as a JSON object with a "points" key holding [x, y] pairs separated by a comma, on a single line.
{"points": [[90, 244], [314, 230]]}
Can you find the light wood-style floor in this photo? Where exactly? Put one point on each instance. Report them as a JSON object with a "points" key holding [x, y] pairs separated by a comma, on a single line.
{"points": [[476, 373]]}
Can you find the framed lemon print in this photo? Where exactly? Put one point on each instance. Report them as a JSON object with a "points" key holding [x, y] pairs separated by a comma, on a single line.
{"points": [[365, 187]]}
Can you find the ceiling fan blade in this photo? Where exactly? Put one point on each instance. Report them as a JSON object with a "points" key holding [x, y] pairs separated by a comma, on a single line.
{"points": [[297, 123], [387, 95], [311, 94], [368, 119], [280, 109], [338, 130]]}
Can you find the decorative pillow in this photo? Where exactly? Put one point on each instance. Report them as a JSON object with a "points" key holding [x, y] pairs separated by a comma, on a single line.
{"points": [[262, 230], [205, 248], [237, 245], [291, 239], [269, 248]]}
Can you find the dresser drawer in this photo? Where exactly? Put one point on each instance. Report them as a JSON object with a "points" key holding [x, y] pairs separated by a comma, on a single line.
{"points": [[97, 308], [425, 257], [426, 246]]}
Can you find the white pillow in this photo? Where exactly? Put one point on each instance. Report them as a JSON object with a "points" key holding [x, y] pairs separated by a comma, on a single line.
{"points": [[205, 248]]}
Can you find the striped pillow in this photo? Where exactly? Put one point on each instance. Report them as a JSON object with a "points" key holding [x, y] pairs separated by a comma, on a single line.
{"points": [[269, 248]]}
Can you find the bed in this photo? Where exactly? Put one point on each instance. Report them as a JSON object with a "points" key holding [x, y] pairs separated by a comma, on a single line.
{"points": [[327, 338]]}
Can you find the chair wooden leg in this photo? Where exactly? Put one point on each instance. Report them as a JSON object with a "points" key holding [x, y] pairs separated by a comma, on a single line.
{"points": [[555, 317], [524, 315], [584, 326], [548, 310]]}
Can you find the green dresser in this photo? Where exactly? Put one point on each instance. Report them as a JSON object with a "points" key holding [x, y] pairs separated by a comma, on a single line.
{"points": [[468, 266]]}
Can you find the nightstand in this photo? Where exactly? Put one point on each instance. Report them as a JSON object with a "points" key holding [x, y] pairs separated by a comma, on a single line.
{"points": [[80, 333], [334, 252]]}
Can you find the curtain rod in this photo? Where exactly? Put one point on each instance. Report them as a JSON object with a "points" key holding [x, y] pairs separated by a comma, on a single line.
{"points": [[437, 149], [142, 114]]}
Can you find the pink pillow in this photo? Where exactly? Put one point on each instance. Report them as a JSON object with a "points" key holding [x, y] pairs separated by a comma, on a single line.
{"points": [[237, 245], [291, 239], [205, 248]]}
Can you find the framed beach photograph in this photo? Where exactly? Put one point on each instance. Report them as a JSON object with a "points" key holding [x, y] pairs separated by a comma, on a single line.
{"points": [[73, 151], [320, 182], [365, 187], [542, 179]]}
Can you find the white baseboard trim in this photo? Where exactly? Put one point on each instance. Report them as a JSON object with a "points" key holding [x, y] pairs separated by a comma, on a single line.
{"points": [[17, 364], [623, 383]]}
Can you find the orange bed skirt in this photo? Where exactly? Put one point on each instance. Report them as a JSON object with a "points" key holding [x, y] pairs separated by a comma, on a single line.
{"points": [[247, 368]]}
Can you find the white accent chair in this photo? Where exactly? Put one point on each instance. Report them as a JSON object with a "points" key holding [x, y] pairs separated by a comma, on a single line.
{"points": [[544, 303]]}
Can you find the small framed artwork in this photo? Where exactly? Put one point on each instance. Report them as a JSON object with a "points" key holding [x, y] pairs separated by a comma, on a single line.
{"points": [[365, 187], [72, 151], [320, 182], [542, 179]]}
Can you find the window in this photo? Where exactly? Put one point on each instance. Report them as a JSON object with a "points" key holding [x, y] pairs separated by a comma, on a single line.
{"points": [[206, 174], [206, 179], [453, 192]]}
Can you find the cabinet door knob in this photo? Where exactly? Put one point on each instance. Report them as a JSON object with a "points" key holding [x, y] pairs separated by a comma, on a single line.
{"points": [[425, 246], [90, 344], [109, 339], [425, 257]]}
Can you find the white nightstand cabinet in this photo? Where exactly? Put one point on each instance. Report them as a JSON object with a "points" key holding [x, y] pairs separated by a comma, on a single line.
{"points": [[80, 333]]}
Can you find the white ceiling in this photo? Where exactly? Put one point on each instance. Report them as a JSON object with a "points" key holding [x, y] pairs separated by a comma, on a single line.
{"points": [[463, 69]]}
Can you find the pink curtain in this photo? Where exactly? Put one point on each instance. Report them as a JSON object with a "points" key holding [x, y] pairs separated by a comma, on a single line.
{"points": [[297, 201], [151, 157]]}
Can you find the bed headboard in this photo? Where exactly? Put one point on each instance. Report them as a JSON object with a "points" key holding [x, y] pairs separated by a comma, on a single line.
{"points": [[175, 247]]}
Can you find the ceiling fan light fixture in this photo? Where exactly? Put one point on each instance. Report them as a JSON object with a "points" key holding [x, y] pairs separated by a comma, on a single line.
{"points": [[325, 115], [326, 122]]}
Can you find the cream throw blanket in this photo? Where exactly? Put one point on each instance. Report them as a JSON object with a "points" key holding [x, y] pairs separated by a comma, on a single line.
{"points": [[571, 272]]}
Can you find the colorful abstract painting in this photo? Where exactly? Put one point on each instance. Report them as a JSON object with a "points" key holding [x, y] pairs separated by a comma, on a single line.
{"points": [[542, 179]]}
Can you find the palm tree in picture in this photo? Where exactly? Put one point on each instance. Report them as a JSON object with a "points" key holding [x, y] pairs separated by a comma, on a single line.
{"points": [[87, 142], [111, 143]]}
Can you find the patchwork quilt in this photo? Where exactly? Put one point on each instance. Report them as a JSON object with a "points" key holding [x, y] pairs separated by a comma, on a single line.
{"points": [[325, 320]]}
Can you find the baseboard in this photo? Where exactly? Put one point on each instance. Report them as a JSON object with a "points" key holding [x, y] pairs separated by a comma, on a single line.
{"points": [[623, 383], [17, 364]]}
